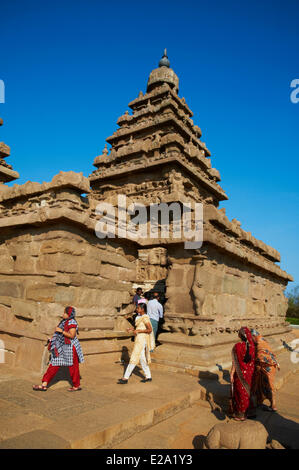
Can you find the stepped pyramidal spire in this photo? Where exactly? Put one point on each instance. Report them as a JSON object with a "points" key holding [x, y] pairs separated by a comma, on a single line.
{"points": [[160, 139]]}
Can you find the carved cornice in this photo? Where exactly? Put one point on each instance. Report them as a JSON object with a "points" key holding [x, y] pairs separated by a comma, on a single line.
{"points": [[4, 150], [7, 174], [145, 163], [159, 93], [61, 180], [218, 218], [157, 123]]}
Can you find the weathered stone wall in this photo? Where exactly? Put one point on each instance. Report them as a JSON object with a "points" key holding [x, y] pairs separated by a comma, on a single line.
{"points": [[45, 269], [210, 295], [219, 284]]}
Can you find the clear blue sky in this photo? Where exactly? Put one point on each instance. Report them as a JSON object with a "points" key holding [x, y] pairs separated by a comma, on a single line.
{"points": [[71, 67]]}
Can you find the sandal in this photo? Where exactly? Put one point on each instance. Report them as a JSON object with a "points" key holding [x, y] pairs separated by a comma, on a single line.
{"points": [[235, 418], [122, 381], [73, 389], [39, 388], [269, 408]]}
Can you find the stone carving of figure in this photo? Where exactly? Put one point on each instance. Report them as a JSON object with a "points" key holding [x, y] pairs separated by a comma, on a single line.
{"points": [[176, 181], [198, 290], [199, 296]]}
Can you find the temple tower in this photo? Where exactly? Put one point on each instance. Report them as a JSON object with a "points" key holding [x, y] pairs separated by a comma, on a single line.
{"points": [[157, 156]]}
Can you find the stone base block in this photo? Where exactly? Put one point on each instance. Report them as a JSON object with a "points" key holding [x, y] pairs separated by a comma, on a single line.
{"points": [[96, 323], [29, 354], [188, 354], [97, 359]]}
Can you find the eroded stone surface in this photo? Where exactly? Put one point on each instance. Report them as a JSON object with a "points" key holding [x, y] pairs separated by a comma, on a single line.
{"points": [[237, 435]]}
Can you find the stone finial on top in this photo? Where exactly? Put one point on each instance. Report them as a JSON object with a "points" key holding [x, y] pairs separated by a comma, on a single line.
{"points": [[164, 62], [163, 75]]}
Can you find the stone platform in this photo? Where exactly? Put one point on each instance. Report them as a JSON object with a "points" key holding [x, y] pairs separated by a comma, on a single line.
{"points": [[102, 414], [107, 415], [192, 355]]}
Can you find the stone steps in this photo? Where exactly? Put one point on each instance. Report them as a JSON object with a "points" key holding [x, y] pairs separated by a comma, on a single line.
{"points": [[187, 429], [105, 414], [102, 415]]}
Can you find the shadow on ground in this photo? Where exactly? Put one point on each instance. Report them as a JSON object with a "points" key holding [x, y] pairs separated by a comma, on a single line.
{"points": [[62, 374], [125, 359], [199, 442], [217, 393], [279, 428]]}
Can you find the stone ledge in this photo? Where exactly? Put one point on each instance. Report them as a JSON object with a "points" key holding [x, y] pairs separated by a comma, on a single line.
{"points": [[18, 331], [212, 214], [15, 330], [214, 187], [4, 150], [101, 334], [63, 179], [9, 175]]}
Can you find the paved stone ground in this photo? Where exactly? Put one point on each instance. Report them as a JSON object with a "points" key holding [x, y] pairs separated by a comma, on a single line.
{"points": [[187, 429], [169, 412], [102, 413]]}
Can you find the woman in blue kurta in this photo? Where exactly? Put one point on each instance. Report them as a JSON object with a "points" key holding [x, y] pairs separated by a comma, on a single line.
{"points": [[65, 351]]}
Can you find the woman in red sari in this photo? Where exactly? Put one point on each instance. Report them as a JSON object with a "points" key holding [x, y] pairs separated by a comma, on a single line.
{"points": [[243, 355]]}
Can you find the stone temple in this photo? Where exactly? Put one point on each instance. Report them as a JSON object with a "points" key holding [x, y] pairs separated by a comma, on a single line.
{"points": [[51, 256]]}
